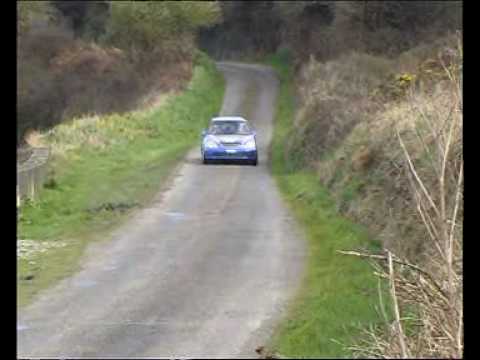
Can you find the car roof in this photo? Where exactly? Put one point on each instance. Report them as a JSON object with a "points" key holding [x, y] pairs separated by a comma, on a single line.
{"points": [[229, 118]]}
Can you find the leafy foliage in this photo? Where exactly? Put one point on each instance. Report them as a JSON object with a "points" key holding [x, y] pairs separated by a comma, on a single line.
{"points": [[27, 11], [150, 25], [86, 18], [326, 29]]}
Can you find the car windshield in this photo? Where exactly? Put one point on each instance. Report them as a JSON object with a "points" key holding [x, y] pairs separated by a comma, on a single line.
{"points": [[229, 128]]}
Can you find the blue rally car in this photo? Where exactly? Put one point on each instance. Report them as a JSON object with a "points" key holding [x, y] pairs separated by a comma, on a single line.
{"points": [[229, 138]]}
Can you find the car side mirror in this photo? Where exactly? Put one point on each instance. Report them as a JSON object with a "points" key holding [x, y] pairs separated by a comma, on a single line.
{"points": [[204, 132]]}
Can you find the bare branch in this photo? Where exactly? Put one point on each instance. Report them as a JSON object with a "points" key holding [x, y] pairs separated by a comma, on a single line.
{"points": [[412, 266], [412, 168]]}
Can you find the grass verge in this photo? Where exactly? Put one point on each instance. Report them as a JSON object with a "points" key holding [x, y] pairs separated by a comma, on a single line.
{"points": [[102, 168], [338, 292]]}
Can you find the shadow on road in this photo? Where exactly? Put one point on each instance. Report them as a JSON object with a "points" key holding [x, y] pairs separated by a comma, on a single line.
{"points": [[198, 161]]}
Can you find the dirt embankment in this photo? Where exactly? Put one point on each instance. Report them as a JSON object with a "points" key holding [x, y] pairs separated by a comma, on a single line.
{"points": [[385, 136]]}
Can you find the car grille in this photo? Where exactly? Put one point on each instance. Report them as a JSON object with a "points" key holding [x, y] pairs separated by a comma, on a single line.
{"points": [[231, 144]]}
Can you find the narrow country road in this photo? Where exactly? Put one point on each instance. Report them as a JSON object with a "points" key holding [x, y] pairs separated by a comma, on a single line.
{"points": [[204, 271]]}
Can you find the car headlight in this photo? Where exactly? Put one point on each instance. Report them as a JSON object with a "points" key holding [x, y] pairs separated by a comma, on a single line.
{"points": [[210, 143], [250, 144]]}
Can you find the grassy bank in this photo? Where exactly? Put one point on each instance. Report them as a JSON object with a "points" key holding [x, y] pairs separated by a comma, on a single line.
{"points": [[102, 168], [338, 294]]}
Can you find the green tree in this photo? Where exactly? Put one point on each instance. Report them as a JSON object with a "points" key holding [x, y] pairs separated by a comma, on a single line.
{"points": [[27, 11], [87, 19], [146, 26]]}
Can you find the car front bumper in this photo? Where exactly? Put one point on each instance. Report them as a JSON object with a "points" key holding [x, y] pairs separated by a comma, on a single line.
{"points": [[229, 154]]}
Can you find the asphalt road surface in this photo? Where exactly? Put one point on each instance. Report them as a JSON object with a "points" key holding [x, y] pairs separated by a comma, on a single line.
{"points": [[205, 271]]}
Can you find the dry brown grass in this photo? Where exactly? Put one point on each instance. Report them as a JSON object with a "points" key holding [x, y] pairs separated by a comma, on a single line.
{"points": [[427, 299], [353, 137], [334, 97], [386, 137]]}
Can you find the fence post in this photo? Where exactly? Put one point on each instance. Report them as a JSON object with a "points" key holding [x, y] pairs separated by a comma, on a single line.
{"points": [[31, 183], [31, 174]]}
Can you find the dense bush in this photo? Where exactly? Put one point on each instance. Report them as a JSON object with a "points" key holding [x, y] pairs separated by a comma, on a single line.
{"points": [[86, 18], [326, 29], [158, 26], [385, 136], [61, 73], [28, 11]]}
